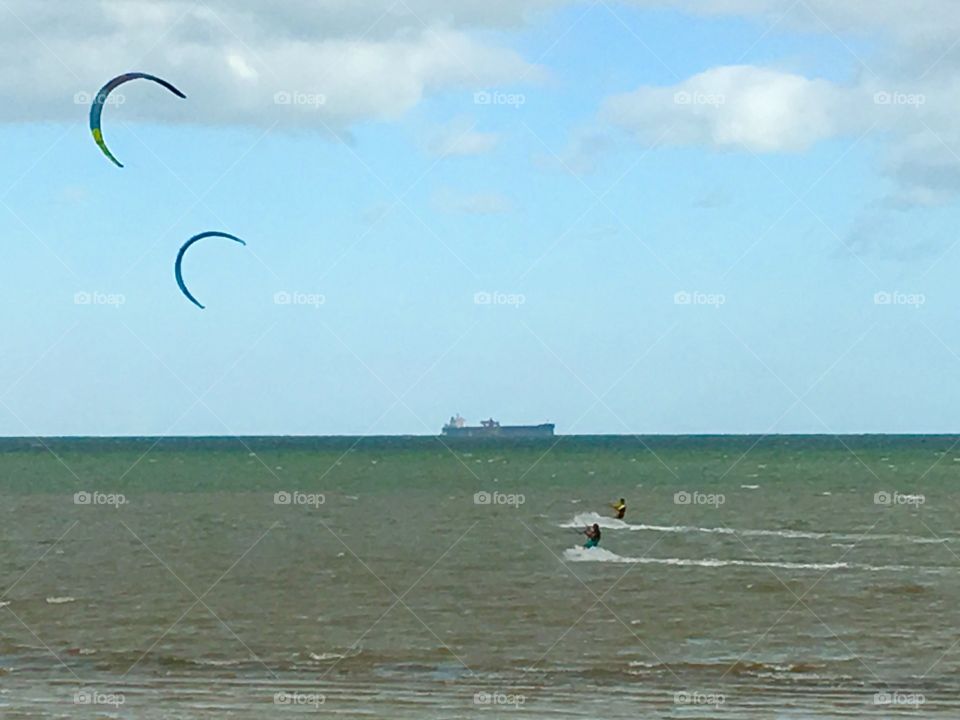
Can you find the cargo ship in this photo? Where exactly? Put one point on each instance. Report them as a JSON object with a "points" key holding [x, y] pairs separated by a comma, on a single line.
{"points": [[457, 428]]}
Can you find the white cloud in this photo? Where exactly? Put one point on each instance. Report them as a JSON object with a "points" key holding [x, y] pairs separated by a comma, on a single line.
{"points": [[735, 107], [925, 28], [339, 61], [904, 49], [460, 137]]}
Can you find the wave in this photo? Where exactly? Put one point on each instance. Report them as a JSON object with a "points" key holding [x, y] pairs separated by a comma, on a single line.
{"points": [[598, 554], [737, 667], [581, 520], [328, 656]]}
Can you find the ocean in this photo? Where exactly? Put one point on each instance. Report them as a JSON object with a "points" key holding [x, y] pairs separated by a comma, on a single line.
{"points": [[777, 577]]}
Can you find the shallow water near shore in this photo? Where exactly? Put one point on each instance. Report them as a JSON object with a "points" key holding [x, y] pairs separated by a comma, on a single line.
{"points": [[407, 578]]}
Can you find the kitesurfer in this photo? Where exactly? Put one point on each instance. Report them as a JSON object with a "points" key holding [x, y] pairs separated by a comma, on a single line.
{"points": [[593, 536], [619, 509]]}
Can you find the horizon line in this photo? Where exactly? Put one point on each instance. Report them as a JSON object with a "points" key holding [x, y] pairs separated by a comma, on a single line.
{"points": [[473, 439]]}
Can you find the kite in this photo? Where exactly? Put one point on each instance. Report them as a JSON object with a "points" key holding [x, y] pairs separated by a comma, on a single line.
{"points": [[96, 109], [186, 245]]}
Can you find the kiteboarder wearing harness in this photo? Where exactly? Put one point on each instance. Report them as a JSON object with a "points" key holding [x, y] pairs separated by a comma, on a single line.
{"points": [[619, 509], [593, 536]]}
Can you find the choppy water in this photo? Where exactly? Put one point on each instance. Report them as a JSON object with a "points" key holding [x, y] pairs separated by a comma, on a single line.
{"points": [[776, 578]]}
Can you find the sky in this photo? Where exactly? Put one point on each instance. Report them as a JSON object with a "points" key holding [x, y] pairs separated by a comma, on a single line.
{"points": [[621, 216]]}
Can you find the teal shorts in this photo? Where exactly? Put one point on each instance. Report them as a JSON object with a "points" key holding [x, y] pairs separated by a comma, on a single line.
{"points": [[591, 543]]}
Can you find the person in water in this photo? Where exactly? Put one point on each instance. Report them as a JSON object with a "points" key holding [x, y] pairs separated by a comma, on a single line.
{"points": [[593, 536], [619, 509]]}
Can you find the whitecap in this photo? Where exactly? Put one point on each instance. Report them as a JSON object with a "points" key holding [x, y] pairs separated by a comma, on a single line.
{"points": [[597, 554], [583, 519], [60, 600], [323, 657]]}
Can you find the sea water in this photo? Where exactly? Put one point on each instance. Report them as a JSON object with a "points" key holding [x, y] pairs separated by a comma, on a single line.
{"points": [[789, 577]]}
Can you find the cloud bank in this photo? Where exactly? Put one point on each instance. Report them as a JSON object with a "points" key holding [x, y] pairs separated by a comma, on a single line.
{"points": [[292, 64]]}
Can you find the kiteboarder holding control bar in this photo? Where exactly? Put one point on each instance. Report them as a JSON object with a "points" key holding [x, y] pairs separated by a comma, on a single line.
{"points": [[593, 536]]}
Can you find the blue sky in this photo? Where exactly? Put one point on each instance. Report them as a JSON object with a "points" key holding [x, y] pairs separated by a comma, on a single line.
{"points": [[586, 249]]}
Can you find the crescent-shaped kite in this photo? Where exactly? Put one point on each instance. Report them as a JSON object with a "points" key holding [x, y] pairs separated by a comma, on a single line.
{"points": [[96, 109], [186, 245]]}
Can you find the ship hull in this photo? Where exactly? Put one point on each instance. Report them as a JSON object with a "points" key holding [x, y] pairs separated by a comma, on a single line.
{"points": [[505, 431]]}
